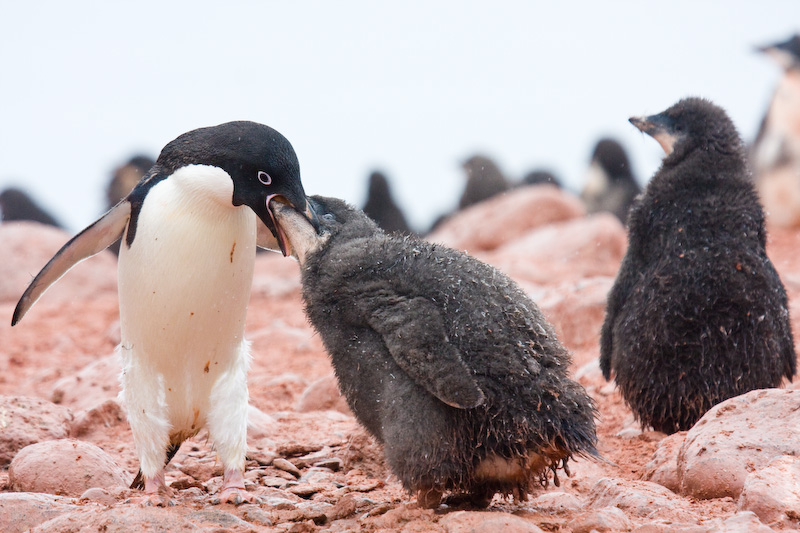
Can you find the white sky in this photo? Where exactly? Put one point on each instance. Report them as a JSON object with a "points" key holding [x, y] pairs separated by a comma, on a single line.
{"points": [[412, 87]]}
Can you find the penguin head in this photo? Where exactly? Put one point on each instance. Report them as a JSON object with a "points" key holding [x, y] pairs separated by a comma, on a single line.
{"points": [[336, 220], [260, 162], [610, 157], [378, 188], [786, 53], [692, 123]]}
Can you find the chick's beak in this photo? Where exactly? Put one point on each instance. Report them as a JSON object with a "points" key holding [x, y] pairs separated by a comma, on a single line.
{"points": [[659, 127], [280, 234]]}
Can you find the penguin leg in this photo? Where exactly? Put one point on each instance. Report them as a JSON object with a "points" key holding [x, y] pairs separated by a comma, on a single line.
{"points": [[227, 425], [143, 392]]}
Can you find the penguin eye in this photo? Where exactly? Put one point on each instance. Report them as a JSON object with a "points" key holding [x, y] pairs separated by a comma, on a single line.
{"points": [[328, 217], [264, 178]]}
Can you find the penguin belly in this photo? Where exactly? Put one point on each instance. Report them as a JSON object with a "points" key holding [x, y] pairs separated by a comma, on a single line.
{"points": [[184, 285]]}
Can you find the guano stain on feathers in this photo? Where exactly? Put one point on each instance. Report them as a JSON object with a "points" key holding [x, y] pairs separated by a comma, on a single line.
{"points": [[205, 368], [232, 249]]}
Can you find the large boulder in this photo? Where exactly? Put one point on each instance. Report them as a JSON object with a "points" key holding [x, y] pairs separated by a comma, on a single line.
{"points": [[773, 493], [64, 467], [564, 252], [736, 437], [506, 217]]}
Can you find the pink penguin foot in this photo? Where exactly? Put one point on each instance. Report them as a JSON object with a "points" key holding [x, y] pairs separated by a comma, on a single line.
{"points": [[233, 490], [156, 492]]}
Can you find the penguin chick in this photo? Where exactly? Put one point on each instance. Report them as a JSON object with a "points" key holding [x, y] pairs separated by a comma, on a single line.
{"points": [[697, 313], [484, 180], [775, 153], [185, 270], [444, 359], [610, 185], [381, 207], [15, 206]]}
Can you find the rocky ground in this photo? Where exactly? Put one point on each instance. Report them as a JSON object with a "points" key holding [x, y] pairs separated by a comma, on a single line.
{"points": [[67, 455]]}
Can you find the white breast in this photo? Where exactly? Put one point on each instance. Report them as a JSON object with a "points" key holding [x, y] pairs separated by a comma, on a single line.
{"points": [[184, 285]]}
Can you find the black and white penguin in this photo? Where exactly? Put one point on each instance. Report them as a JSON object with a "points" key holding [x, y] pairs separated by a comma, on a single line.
{"points": [[381, 207], [16, 206], [443, 358], [697, 313], [610, 185], [185, 270], [775, 153]]}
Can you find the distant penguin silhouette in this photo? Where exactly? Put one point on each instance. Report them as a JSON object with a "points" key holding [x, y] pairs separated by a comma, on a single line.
{"points": [[123, 180], [125, 177], [775, 154], [484, 180], [444, 359], [540, 177], [610, 185], [381, 207], [16, 205], [697, 313]]}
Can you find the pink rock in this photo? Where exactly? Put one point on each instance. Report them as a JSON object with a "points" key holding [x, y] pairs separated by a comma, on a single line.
{"points": [[663, 467], [323, 395], [259, 424], [504, 218], [32, 245], [22, 511], [743, 522], [637, 498], [736, 437], [605, 519], [564, 252], [118, 519], [101, 496], [557, 502], [486, 522], [26, 421], [108, 414], [577, 310], [92, 385], [773, 493], [64, 467]]}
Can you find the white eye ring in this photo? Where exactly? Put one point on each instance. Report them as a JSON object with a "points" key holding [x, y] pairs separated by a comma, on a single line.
{"points": [[264, 178]]}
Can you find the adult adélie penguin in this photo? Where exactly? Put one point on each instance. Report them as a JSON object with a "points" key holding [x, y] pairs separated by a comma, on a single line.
{"points": [[189, 231]]}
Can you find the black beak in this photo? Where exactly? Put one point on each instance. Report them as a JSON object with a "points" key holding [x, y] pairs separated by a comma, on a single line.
{"points": [[659, 127], [652, 125]]}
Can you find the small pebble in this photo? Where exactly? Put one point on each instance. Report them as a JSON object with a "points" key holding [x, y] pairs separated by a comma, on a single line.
{"points": [[282, 464]]}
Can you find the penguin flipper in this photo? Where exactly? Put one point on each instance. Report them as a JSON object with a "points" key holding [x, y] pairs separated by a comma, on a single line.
{"points": [[413, 331], [92, 240]]}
